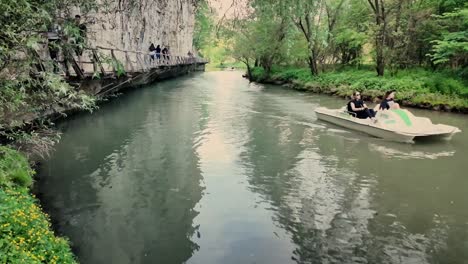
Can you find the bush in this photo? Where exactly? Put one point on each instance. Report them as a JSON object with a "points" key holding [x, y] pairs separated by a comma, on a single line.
{"points": [[14, 169], [25, 233], [417, 86]]}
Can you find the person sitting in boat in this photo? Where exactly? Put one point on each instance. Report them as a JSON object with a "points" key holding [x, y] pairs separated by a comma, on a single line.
{"points": [[358, 108], [388, 101]]}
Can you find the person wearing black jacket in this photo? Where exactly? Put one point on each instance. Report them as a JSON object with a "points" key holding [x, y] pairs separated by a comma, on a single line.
{"points": [[164, 52], [158, 52], [358, 108]]}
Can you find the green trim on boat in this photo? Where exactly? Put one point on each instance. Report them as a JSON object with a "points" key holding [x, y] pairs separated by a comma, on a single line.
{"points": [[404, 116]]}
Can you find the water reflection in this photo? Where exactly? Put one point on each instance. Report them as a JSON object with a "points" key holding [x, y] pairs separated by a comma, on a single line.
{"points": [[329, 190], [127, 193], [212, 169]]}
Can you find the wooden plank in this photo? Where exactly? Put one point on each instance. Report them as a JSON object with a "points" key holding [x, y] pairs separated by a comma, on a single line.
{"points": [[129, 61], [115, 60], [74, 64], [98, 61], [143, 68]]}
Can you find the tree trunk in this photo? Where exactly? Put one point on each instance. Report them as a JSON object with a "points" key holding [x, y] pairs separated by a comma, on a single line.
{"points": [[313, 65], [379, 44], [249, 72], [380, 20], [380, 61]]}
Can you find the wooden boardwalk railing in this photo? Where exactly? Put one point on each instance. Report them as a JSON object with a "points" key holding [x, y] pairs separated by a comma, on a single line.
{"points": [[104, 61]]}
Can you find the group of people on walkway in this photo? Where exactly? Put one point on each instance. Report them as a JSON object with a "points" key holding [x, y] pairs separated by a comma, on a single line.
{"points": [[359, 109], [156, 51]]}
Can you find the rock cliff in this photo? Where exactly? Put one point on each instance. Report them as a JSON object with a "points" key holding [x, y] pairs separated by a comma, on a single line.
{"points": [[135, 24]]}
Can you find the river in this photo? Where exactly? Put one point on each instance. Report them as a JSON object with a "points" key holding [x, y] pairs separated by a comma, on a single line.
{"points": [[208, 168]]}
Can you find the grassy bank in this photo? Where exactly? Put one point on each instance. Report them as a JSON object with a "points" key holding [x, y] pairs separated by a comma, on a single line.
{"points": [[416, 87], [25, 232], [224, 66]]}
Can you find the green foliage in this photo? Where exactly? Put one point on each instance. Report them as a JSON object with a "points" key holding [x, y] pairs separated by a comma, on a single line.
{"points": [[28, 98], [28, 89], [396, 36], [25, 233], [413, 85], [211, 41], [204, 26], [453, 43], [350, 44], [116, 64], [14, 169]]}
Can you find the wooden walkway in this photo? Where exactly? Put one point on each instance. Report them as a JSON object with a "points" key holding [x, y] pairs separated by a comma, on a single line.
{"points": [[103, 62]]}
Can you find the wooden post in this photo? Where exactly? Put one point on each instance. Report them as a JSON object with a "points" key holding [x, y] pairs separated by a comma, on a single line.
{"points": [[129, 62], [141, 63], [98, 61], [75, 66], [39, 61], [115, 61]]}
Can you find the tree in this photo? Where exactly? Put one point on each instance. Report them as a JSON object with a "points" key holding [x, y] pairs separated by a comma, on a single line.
{"points": [[243, 49], [452, 46], [349, 43], [27, 85], [380, 15], [309, 16], [204, 26]]}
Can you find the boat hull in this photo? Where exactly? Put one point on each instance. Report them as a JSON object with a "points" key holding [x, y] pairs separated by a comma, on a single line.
{"points": [[367, 129]]}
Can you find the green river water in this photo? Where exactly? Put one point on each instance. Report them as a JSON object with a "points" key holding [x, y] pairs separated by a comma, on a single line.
{"points": [[208, 168]]}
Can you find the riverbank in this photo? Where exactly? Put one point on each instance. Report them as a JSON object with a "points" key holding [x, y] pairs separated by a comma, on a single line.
{"points": [[415, 88], [25, 230]]}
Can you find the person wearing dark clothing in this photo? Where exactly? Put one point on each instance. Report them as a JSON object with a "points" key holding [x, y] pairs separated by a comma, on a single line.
{"points": [[53, 36], [388, 101], [158, 52], [80, 40], [164, 52], [358, 108], [152, 50]]}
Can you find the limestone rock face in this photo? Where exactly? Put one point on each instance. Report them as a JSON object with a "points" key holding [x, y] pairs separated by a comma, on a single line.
{"points": [[134, 24]]}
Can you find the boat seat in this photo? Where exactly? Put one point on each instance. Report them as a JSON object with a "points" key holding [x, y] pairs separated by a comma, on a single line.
{"points": [[345, 110]]}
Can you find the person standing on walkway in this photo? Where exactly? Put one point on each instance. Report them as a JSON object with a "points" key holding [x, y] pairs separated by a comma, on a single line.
{"points": [[158, 52], [80, 40], [53, 36], [168, 54], [165, 57], [152, 51]]}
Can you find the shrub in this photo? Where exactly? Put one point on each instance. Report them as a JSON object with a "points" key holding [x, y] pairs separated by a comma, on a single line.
{"points": [[25, 234], [419, 86], [14, 169]]}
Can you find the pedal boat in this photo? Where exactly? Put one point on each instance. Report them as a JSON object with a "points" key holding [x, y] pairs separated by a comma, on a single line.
{"points": [[395, 125]]}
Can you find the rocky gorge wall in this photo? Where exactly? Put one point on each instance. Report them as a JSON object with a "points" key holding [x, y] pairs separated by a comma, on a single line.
{"points": [[135, 24]]}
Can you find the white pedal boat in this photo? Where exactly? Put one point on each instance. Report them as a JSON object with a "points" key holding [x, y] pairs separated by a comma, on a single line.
{"points": [[396, 125]]}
